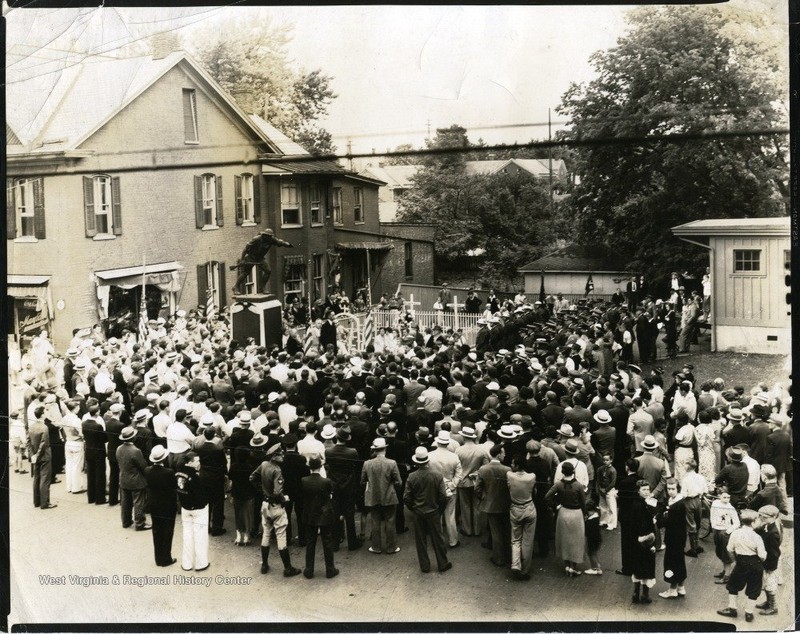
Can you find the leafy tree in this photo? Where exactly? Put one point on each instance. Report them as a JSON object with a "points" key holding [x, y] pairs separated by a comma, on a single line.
{"points": [[248, 58], [402, 160], [678, 70]]}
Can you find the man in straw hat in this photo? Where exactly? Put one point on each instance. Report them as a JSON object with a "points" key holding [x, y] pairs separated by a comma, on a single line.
{"points": [[132, 483], [446, 463], [472, 457], [382, 479], [162, 489], [426, 498]]}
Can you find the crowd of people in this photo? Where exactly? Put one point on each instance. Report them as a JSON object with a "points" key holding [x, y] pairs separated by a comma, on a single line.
{"points": [[539, 440]]}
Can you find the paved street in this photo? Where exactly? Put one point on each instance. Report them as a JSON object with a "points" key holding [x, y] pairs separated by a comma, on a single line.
{"points": [[82, 540]]}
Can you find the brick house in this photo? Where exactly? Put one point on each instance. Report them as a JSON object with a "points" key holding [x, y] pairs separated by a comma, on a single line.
{"points": [[120, 163]]}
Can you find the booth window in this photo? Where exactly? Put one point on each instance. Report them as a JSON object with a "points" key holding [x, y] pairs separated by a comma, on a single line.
{"points": [[102, 206], [746, 260]]}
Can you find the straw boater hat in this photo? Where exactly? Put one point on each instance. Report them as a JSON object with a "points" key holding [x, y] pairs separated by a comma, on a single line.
{"points": [[378, 443], [468, 432], [506, 432], [603, 417], [649, 442], [158, 453], [328, 432], [566, 431], [127, 434], [443, 438], [571, 447]]}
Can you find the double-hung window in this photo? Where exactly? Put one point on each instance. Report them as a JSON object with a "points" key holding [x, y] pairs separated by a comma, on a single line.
{"points": [[23, 198], [208, 201], [247, 200], [358, 205], [291, 214], [337, 206], [102, 206], [315, 194]]}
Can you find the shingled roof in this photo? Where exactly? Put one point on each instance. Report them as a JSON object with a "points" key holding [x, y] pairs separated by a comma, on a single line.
{"points": [[577, 259]]}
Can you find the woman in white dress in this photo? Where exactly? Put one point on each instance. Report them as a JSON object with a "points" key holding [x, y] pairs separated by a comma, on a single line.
{"points": [[706, 455], [684, 441]]}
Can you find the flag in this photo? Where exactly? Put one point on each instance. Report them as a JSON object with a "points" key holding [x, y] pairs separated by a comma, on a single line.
{"points": [[309, 340], [542, 296], [143, 330], [209, 303], [589, 285], [369, 330]]}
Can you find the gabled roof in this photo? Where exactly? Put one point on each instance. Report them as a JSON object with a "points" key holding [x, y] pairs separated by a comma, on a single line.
{"points": [[778, 226], [393, 175], [11, 138], [61, 109], [283, 142], [575, 258]]}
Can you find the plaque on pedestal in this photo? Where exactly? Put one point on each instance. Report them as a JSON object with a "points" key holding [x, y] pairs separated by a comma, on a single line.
{"points": [[257, 316]]}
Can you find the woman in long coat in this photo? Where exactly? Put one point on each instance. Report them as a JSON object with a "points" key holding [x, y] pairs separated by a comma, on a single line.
{"points": [[570, 498], [673, 519], [644, 559]]}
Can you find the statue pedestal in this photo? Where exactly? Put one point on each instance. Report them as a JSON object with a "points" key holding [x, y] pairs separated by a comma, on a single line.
{"points": [[257, 316]]}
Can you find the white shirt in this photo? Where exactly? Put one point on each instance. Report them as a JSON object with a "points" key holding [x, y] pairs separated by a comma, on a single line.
{"points": [[693, 484], [160, 424], [286, 413], [754, 473], [581, 474], [179, 438]]}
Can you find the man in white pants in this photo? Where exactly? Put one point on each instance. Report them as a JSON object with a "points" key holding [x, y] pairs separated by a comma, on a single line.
{"points": [[73, 449], [194, 514], [447, 464]]}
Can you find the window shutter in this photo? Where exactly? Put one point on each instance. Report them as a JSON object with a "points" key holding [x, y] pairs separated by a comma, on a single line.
{"points": [[116, 206], [257, 198], [219, 200], [88, 206], [237, 193], [223, 299], [11, 210], [199, 216], [273, 208], [38, 209], [202, 285]]}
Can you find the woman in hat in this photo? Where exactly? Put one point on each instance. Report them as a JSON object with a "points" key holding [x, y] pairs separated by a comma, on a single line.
{"points": [[642, 518], [685, 443], [673, 519], [569, 498]]}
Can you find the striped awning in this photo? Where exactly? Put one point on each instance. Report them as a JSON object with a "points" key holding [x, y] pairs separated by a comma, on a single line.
{"points": [[32, 287], [364, 246]]}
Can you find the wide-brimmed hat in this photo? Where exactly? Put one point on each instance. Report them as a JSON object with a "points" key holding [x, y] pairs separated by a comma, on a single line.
{"points": [[734, 454], [328, 432], [602, 417], [127, 434], [342, 434], [141, 415], [385, 409], [507, 432], [635, 368], [468, 432], [735, 414], [649, 442], [378, 443], [420, 455], [566, 431], [571, 446], [158, 453], [289, 439]]}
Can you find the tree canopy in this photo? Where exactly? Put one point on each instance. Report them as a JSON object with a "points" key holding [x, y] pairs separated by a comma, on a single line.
{"points": [[680, 69], [506, 215], [252, 59]]}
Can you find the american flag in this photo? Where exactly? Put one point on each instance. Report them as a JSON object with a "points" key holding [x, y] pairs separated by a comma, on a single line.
{"points": [[143, 321], [209, 303], [369, 330], [309, 340]]}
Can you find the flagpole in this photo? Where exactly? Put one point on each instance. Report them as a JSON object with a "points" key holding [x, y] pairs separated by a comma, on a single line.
{"points": [[144, 268]]}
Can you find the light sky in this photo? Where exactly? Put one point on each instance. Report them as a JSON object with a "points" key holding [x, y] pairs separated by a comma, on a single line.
{"points": [[396, 69]]}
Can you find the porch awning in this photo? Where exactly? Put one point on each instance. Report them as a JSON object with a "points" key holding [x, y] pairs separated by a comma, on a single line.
{"points": [[32, 286], [27, 280], [163, 275], [364, 246]]}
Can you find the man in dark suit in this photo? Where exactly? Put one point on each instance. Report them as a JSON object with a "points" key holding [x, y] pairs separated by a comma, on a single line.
{"points": [[95, 438], [213, 469], [114, 427], [162, 492], [294, 469], [318, 517], [382, 478], [759, 433], [132, 483], [779, 455], [627, 495], [327, 332], [491, 488], [343, 466], [40, 457]]}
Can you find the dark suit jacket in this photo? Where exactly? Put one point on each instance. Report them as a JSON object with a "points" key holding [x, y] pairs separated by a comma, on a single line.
{"points": [[212, 460], [759, 432], [491, 487], [162, 489], [95, 438], [327, 334], [113, 427], [294, 469], [131, 467], [317, 495], [779, 451], [343, 467], [39, 441]]}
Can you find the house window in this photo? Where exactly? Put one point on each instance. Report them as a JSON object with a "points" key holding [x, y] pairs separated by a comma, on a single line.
{"points": [[290, 205], [318, 262], [746, 260], [293, 275], [23, 199], [409, 253], [208, 201], [398, 193], [190, 116], [212, 275], [358, 205], [102, 206], [245, 201], [337, 205], [316, 204]]}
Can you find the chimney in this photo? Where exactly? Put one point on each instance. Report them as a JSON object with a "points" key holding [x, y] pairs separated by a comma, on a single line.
{"points": [[162, 44], [246, 100]]}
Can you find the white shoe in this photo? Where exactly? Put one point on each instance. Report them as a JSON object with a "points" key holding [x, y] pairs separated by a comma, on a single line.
{"points": [[593, 571], [668, 594]]}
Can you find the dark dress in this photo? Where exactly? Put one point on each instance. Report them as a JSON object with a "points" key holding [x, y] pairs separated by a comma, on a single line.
{"points": [[643, 560], [673, 519]]}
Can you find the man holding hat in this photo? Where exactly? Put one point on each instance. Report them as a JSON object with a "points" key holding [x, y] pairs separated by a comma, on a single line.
{"points": [[447, 464], [162, 489], [132, 481], [472, 457], [426, 497], [381, 476], [269, 479]]}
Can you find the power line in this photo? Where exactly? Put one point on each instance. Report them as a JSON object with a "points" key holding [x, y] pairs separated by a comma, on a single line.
{"points": [[565, 143]]}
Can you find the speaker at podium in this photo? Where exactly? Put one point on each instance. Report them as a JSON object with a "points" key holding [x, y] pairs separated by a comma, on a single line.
{"points": [[257, 316]]}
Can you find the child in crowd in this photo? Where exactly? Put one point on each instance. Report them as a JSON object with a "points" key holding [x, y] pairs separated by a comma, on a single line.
{"points": [[593, 537], [770, 533], [606, 482], [749, 552], [724, 520]]}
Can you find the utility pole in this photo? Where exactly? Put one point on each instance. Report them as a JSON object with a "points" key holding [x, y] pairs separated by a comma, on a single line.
{"points": [[429, 128], [550, 162]]}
